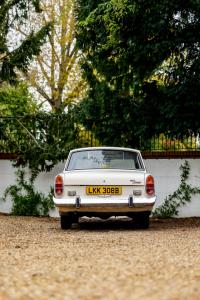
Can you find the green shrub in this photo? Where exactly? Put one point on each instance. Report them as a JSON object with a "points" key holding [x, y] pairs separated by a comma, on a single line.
{"points": [[27, 201]]}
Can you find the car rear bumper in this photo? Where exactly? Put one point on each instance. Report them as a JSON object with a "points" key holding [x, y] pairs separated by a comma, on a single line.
{"points": [[105, 205]]}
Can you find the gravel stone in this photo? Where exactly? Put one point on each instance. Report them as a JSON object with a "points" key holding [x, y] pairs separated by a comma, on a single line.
{"points": [[99, 259]]}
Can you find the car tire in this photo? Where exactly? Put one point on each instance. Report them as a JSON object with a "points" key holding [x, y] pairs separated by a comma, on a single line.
{"points": [[65, 222], [142, 220], [75, 218]]}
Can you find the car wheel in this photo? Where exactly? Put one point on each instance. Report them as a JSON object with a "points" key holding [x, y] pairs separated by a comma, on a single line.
{"points": [[142, 220], [75, 218], [65, 221]]}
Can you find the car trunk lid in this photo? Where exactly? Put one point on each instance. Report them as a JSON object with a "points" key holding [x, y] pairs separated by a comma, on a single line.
{"points": [[104, 177]]}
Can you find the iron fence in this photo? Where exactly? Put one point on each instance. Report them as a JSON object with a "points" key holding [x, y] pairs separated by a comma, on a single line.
{"points": [[163, 142], [40, 131], [15, 132]]}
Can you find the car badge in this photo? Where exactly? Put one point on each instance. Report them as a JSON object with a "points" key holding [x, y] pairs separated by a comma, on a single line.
{"points": [[133, 181]]}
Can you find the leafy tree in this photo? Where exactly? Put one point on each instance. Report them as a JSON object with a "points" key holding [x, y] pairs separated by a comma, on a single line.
{"points": [[15, 53], [55, 73], [110, 116], [16, 101], [38, 141], [147, 51]]}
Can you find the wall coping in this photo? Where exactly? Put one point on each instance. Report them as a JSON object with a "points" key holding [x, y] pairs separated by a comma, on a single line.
{"points": [[7, 156], [170, 154], [145, 155]]}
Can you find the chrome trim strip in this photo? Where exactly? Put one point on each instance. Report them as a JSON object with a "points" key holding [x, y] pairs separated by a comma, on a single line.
{"points": [[104, 208]]}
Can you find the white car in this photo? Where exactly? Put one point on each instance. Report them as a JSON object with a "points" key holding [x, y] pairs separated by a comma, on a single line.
{"points": [[104, 182]]}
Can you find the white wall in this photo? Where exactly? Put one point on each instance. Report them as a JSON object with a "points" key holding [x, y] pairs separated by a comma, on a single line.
{"points": [[165, 171], [167, 179], [43, 183]]}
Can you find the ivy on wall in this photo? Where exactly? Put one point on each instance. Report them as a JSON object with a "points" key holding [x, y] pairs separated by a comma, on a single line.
{"points": [[26, 201], [180, 197]]}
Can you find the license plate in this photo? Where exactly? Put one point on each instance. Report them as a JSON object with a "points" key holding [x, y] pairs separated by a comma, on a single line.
{"points": [[103, 190]]}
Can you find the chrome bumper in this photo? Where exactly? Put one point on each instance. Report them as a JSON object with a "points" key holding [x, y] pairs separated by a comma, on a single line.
{"points": [[105, 205]]}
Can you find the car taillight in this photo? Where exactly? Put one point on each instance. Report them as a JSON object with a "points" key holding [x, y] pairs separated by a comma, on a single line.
{"points": [[150, 190], [58, 185]]}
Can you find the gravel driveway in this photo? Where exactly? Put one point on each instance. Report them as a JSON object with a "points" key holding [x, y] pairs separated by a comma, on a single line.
{"points": [[99, 259]]}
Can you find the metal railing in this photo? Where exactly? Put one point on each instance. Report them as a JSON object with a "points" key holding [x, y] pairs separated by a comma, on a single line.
{"points": [[15, 132], [163, 142]]}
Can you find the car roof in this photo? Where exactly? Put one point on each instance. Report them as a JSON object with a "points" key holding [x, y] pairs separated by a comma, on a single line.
{"points": [[104, 148]]}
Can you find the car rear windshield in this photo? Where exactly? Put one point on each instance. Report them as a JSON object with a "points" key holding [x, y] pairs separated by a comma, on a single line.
{"points": [[105, 159]]}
